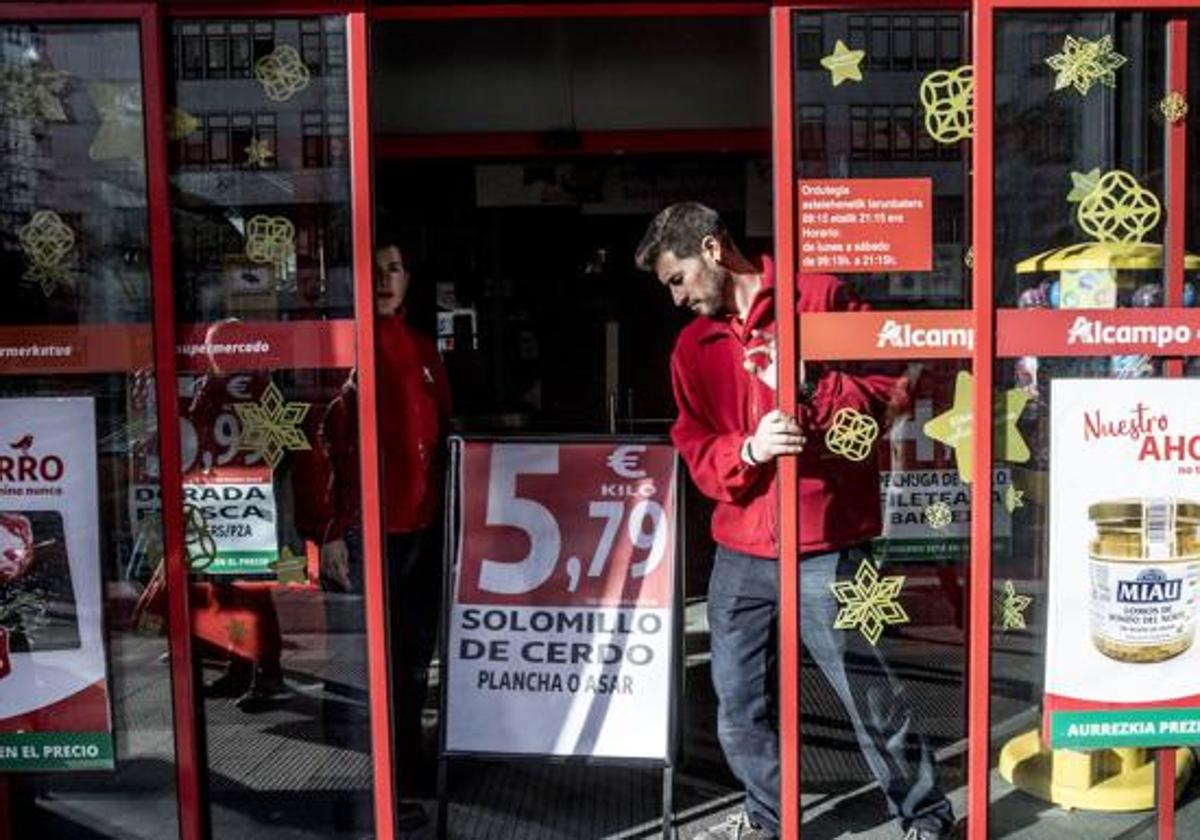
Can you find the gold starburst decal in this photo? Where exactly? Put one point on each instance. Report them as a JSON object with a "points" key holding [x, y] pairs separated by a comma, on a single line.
{"points": [[1011, 606], [33, 94], [1174, 107], [282, 73], [1119, 209], [948, 97], [869, 602], [271, 426], [1083, 63], [290, 567], [843, 64], [938, 516], [47, 241], [852, 434], [259, 153]]}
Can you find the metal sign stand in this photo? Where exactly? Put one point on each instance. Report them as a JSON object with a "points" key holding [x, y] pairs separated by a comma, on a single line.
{"points": [[674, 691]]}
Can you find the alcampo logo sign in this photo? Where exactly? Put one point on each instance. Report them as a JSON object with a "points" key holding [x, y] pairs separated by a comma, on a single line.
{"points": [[1092, 331], [902, 335]]}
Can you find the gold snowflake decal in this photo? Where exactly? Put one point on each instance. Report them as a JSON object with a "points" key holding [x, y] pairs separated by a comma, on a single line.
{"points": [[1013, 498], [969, 257], [1083, 63], [282, 73], [33, 94], [271, 426], [948, 97], [852, 434], [259, 154], [869, 602], [1174, 107], [1119, 209], [938, 516], [290, 567], [1011, 607], [46, 241]]}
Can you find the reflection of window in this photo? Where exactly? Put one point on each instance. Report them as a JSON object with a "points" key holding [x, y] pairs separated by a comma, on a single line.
{"points": [[240, 51], [216, 51], [949, 40], [856, 28], [879, 53], [218, 139], [860, 133], [812, 132], [881, 132], [191, 51], [927, 57], [810, 38], [902, 132], [313, 134], [902, 43], [264, 38], [310, 45]]}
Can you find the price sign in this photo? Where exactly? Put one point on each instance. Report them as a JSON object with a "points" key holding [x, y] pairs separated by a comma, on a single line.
{"points": [[563, 599]]}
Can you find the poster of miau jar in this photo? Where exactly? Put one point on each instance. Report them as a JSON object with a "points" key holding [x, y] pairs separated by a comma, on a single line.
{"points": [[54, 709], [1122, 663]]}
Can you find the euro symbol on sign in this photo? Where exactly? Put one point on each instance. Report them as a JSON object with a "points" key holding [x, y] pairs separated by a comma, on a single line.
{"points": [[624, 461]]}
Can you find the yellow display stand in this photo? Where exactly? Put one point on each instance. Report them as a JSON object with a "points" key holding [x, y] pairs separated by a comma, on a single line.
{"points": [[1095, 780]]}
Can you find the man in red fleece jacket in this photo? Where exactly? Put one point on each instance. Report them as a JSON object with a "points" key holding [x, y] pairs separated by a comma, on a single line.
{"points": [[414, 419], [730, 432]]}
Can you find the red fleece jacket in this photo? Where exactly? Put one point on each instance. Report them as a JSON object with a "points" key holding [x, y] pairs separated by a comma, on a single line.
{"points": [[721, 401], [414, 416]]}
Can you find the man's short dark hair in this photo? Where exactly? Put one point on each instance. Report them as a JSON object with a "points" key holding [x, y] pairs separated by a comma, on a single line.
{"points": [[680, 229]]}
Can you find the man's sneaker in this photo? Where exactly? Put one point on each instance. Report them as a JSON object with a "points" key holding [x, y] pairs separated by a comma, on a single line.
{"points": [[735, 827]]}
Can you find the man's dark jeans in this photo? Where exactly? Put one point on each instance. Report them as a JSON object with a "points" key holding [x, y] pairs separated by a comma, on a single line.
{"points": [[743, 605]]}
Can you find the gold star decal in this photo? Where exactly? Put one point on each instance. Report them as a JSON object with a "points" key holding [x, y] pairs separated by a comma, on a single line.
{"points": [[290, 568], [1013, 498], [869, 602], [1011, 608], [1083, 184], [180, 124], [939, 516], [953, 427], [1083, 63], [270, 426], [843, 64], [259, 154], [120, 132], [33, 94]]}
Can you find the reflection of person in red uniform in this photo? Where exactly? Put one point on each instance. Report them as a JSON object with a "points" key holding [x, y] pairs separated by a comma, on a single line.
{"points": [[414, 415], [730, 433]]}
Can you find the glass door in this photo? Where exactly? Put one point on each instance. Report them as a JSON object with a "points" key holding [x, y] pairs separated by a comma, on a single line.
{"points": [[1083, 243]]}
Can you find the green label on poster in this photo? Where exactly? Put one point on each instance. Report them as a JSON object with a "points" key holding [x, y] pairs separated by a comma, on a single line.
{"points": [[24, 751], [1125, 728]]}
